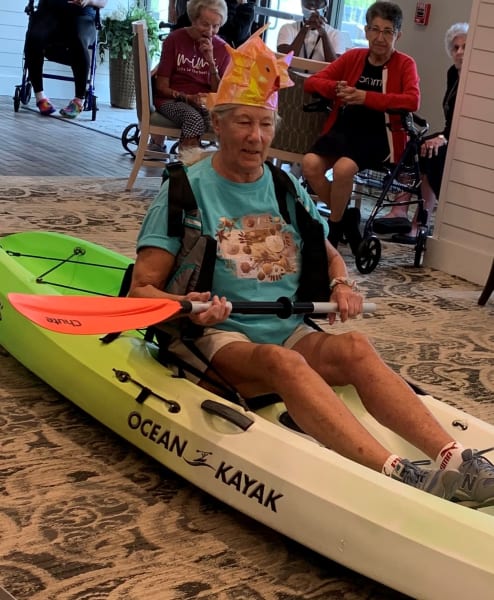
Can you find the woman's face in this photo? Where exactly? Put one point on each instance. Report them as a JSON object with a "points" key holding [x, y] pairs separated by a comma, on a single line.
{"points": [[382, 37], [458, 50], [207, 24], [245, 135]]}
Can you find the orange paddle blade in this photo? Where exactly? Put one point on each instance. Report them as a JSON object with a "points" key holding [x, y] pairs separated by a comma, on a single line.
{"points": [[92, 315]]}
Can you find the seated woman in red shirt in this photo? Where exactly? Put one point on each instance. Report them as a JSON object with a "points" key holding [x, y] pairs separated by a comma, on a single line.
{"points": [[364, 84]]}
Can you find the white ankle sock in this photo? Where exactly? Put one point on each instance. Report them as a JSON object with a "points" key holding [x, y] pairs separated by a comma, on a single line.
{"points": [[390, 464], [39, 96], [450, 457]]}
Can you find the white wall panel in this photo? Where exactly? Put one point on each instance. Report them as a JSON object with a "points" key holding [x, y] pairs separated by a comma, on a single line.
{"points": [[479, 85], [481, 61], [484, 39], [463, 239], [465, 222], [473, 129], [486, 14], [479, 200], [475, 153], [477, 107], [472, 176]]}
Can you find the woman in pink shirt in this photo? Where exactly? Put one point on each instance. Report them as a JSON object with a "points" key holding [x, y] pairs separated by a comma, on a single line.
{"points": [[193, 59]]}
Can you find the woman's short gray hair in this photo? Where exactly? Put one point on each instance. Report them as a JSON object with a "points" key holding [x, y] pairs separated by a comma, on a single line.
{"points": [[388, 11], [194, 8], [453, 32], [222, 110]]}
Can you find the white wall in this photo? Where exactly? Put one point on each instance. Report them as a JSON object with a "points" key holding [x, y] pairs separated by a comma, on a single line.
{"points": [[13, 27], [463, 242], [426, 45]]}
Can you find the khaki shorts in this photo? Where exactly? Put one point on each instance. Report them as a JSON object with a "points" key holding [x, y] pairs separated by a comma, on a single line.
{"points": [[213, 340]]}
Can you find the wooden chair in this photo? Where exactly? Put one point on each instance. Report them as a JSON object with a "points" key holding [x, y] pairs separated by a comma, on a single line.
{"points": [[150, 121], [298, 129], [488, 289]]}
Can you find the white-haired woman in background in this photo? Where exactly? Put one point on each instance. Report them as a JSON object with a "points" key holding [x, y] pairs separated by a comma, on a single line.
{"points": [[193, 60], [433, 150]]}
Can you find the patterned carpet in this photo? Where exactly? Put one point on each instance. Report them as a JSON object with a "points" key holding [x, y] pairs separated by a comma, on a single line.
{"points": [[85, 516]]}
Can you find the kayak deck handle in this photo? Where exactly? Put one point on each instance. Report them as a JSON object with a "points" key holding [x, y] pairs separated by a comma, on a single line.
{"points": [[226, 412]]}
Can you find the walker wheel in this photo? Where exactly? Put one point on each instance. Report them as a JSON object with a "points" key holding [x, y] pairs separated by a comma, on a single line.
{"points": [[420, 246], [94, 108], [130, 138], [26, 97], [368, 254], [17, 99]]}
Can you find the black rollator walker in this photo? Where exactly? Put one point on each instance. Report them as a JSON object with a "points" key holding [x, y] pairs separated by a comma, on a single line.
{"points": [[400, 179], [58, 52], [387, 185]]}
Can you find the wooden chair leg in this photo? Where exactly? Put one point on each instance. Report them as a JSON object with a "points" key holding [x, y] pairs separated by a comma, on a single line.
{"points": [[489, 287]]}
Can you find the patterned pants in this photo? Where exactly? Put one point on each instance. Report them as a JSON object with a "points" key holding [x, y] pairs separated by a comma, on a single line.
{"points": [[193, 120]]}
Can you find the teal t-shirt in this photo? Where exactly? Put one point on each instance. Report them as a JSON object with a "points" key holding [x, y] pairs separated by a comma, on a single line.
{"points": [[258, 253]]}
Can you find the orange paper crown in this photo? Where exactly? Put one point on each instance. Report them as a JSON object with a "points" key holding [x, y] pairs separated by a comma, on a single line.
{"points": [[254, 75]]}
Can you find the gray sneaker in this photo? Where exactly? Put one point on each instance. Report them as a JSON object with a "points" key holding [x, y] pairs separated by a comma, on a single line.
{"points": [[439, 483], [476, 485]]}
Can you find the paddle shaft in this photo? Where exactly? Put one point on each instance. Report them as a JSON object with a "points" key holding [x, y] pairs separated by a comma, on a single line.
{"points": [[282, 308]]}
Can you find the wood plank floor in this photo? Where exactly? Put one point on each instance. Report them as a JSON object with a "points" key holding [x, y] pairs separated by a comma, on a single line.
{"points": [[33, 145]]}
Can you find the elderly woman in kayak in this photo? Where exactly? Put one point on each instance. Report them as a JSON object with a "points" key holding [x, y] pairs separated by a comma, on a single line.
{"points": [[262, 241]]}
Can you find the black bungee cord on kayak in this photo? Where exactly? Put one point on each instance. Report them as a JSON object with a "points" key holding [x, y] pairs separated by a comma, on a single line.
{"points": [[78, 251]]}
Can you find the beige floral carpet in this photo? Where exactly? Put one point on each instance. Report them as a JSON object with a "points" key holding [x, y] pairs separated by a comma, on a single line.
{"points": [[85, 516]]}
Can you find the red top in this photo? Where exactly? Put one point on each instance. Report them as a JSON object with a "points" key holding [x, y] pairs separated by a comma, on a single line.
{"points": [[185, 66], [400, 90]]}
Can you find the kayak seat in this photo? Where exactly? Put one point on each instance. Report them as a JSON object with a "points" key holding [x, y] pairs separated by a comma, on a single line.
{"points": [[287, 421], [258, 402]]}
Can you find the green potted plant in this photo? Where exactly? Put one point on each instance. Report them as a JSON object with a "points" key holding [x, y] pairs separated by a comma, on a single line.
{"points": [[116, 37]]}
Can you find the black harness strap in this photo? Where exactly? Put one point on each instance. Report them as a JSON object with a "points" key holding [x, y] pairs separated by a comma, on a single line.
{"points": [[123, 291], [314, 276], [282, 185], [181, 198]]}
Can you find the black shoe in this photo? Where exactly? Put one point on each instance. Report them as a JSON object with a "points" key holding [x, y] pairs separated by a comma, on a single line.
{"points": [[351, 228], [352, 216], [392, 225], [335, 232]]}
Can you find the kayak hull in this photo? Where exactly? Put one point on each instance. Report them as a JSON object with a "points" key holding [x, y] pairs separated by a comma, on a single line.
{"points": [[411, 541]]}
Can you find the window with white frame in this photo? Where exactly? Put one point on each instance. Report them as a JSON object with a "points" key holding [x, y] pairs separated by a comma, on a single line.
{"points": [[346, 15]]}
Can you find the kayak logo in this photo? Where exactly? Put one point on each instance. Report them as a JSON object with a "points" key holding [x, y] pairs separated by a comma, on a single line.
{"points": [[248, 486], [201, 460], [73, 322]]}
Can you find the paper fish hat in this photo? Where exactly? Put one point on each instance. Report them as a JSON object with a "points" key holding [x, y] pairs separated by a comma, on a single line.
{"points": [[254, 75]]}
